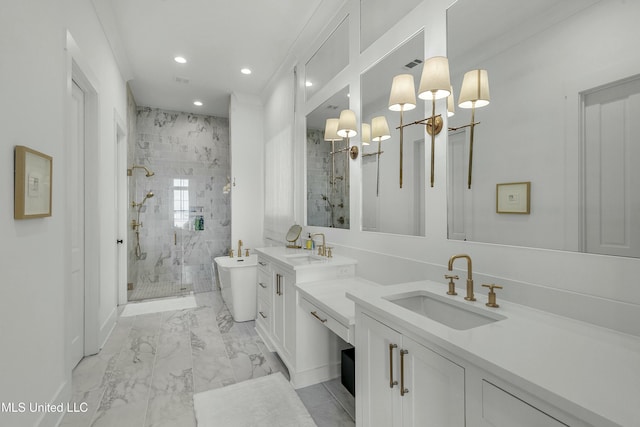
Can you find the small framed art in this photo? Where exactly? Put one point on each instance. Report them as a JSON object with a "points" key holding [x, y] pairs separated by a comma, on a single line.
{"points": [[32, 183], [513, 197]]}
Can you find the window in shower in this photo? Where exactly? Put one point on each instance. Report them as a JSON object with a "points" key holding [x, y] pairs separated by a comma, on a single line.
{"points": [[180, 202]]}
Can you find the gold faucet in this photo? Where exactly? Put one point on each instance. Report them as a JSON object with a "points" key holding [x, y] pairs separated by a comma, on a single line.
{"points": [[469, 296], [239, 248], [322, 248]]}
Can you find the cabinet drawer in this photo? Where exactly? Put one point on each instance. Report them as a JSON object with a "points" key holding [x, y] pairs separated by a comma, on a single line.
{"points": [[264, 285], [263, 265], [321, 316], [264, 312], [502, 409]]}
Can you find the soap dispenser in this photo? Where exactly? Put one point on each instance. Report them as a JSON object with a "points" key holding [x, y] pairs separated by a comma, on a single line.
{"points": [[309, 243]]}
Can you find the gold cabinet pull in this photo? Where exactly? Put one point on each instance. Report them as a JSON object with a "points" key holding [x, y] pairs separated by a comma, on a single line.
{"points": [[314, 314], [262, 263], [391, 381], [278, 284], [403, 390], [262, 285], [262, 314]]}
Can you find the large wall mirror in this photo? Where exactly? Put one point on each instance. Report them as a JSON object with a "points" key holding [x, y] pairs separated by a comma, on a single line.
{"points": [[565, 100], [327, 167], [387, 207]]}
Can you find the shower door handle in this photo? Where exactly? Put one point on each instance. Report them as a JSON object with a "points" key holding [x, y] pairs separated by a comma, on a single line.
{"points": [[175, 238]]}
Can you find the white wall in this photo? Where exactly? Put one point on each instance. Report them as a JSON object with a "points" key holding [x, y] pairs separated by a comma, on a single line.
{"points": [[598, 289], [247, 170], [33, 260]]}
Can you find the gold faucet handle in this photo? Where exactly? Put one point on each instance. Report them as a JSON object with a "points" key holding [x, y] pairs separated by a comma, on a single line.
{"points": [[246, 252], [492, 295], [230, 253], [329, 254], [452, 285]]}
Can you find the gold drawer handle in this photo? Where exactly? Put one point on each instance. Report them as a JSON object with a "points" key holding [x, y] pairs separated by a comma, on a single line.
{"points": [[314, 314], [262, 314], [262, 285], [391, 381], [264, 264], [403, 390]]}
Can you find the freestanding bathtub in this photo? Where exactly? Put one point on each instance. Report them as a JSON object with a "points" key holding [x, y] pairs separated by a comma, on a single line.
{"points": [[238, 277]]}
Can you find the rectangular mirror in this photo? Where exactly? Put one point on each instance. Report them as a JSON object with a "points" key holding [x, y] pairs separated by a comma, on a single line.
{"points": [[564, 84], [327, 167], [329, 59], [386, 207], [377, 16]]}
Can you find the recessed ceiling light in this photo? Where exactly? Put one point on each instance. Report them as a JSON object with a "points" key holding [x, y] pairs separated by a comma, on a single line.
{"points": [[197, 103], [308, 83], [180, 60], [245, 71]]}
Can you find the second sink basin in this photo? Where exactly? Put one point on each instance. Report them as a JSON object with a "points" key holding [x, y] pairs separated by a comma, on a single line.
{"points": [[454, 314], [304, 258]]}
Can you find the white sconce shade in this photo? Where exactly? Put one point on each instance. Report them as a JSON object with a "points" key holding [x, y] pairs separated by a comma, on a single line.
{"points": [[331, 130], [435, 82], [347, 124], [379, 129], [366, 134], [403, 93], [475, 89], [451, 104]]}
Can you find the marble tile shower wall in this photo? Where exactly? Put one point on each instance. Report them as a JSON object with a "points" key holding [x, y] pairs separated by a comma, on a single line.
{"points": [[321, 198], [189, 155]]}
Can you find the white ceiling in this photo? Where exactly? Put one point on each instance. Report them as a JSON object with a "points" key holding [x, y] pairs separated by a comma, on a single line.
{"points": [[217, 37]]}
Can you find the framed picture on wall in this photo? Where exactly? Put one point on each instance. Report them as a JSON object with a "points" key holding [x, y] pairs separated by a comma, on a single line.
{"points": [[513, 197], [32, 183]]}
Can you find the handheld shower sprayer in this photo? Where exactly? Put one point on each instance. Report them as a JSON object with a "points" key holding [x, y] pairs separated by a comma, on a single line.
{"points": [[147, 196]]}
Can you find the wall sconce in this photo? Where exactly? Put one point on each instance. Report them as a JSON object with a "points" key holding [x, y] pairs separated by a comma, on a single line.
{"points": [[379, 133], [331, 134], [435, 83], [402, 98], [347, 129], [473, 94]]}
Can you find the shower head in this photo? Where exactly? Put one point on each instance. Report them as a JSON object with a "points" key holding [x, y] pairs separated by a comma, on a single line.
{"points": [[148, 172]]}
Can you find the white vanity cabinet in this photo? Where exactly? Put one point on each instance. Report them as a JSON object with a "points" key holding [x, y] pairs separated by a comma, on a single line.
{"points": [[284, 311], [310, 351], [403, 383]]}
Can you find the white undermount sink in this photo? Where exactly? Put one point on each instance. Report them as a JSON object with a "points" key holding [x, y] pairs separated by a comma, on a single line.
{"points": [[445, 310], [302, 258]]}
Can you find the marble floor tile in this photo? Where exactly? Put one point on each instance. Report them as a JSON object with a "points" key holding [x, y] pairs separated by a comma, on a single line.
{"points": [[152, 364], [171, 410]]}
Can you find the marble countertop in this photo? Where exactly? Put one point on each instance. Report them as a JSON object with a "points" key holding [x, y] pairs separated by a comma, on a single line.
{"points": [[330, 295], [299, 259], [591, 371]]}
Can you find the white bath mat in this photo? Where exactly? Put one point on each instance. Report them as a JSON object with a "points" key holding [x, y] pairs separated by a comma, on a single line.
{"points": [[265, 401], [169, 304]]}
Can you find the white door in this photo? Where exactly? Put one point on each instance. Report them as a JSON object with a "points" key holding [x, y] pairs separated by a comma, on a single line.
{"points": [[459, 209], [377, 361], [434, 388], [611, 156], [75, 187]]}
